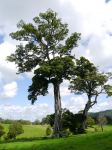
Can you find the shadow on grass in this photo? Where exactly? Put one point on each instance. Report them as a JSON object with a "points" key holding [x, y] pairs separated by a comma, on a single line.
{"points": [[26, 139]]}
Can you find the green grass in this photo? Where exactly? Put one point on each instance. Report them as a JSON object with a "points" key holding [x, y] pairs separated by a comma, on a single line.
{"points": [[30, 131], [90, 141]]}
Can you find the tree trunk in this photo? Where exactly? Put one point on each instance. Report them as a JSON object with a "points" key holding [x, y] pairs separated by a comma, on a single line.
{"points": [[57, 122], [85, 113], [102, 127]]}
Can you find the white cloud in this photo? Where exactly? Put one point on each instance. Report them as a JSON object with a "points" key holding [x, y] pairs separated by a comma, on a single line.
{"points": [[25, 112], [7, 70], [102, 105], [63, 89], [9, 90], [75, 103], [93, 18], [38, 111]]}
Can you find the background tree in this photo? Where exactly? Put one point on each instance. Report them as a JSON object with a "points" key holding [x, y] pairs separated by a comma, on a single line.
{"points": [[48, 52], [69, 121], [2, 132], [36, 122], [102, 120], [49, 119], [90, 121], [14, 130], [87, 79]]}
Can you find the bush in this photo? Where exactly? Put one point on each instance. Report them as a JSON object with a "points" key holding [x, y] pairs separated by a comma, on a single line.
{"points": [[102, 120], [48, 131], [66, 133], [14, 130], [1, 130], [90, 121]]}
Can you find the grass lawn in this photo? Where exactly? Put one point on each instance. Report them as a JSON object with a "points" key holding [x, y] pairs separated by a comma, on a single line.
{"points": [[90, 141], [30, 131]]}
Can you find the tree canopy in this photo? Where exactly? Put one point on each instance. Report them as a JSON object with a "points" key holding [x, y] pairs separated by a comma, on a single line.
{"points": [[47, 50], [88, 80]]}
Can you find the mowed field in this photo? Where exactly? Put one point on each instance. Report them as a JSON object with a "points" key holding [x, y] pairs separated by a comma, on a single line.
{"points": [[90, 141]]}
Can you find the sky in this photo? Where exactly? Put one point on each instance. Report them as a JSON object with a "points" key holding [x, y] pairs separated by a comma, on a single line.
{"points": [[91, 18]]}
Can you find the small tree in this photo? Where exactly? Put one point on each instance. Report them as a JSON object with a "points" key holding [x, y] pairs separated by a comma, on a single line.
{"points": [[2, 132], [14, 130], [48, 52], [90, 121], [87, 79], [102, 120], [48, 130]]}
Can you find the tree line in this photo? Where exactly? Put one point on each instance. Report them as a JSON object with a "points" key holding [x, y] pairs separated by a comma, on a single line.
{"points": [[49, 53], [11, 121], [73, 122]]}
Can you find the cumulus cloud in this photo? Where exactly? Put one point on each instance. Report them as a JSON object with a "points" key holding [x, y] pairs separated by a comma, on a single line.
{"points": [[7, 70], [74, 103], [9, 90], [102, 105], [96, 31], [32, 112], [93, 19]]}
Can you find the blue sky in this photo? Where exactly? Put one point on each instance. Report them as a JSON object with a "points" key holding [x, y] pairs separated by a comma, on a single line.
{"points": [[92, 18], [1, 39]]}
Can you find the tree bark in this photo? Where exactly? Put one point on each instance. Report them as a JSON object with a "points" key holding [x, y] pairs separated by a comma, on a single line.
{"points": [[57, 122], [102, 127], [85, 113]]}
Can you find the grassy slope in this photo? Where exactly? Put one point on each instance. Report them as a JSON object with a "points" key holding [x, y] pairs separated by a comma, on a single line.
{"points": [[30, 131], [90, 141]]}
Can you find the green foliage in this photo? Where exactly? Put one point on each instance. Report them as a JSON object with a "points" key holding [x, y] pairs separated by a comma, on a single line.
{"points": [[102, 120], [9, 121], [70, 121], [66, 133], [90, 121], [87, 79], [48, 131], [14, 130], [48, 52], [24, 122], [36, 122], [48, 47], [53, 72], [2, 132], [106, 113], [49, 119]]}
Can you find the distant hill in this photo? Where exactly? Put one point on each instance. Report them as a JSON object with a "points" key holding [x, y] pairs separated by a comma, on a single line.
{"points": [[106, 113]]}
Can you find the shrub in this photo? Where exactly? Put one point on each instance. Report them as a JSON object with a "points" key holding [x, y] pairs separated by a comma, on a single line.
{"points": [[14, 130], [102, 121], [48, 131], [66, 133], [2, 132], [90, 121]]}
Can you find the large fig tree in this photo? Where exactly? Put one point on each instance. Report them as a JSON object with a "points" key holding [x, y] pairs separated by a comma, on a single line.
{"points": [[46, 50]]}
